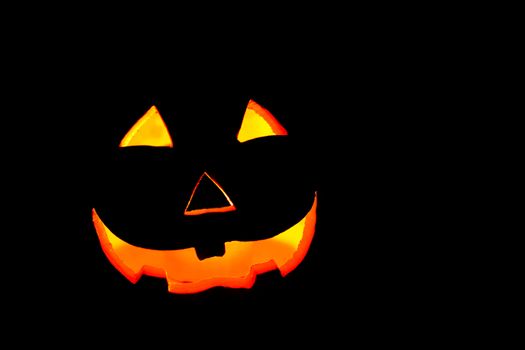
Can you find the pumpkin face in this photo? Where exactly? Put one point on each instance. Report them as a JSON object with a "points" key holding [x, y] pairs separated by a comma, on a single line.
{"points": [[200, 222]]}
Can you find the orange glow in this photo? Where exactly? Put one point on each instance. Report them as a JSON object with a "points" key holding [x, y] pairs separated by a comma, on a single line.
{"points": [[237, 268], [149, 130], [224, 209], [258, 122]]}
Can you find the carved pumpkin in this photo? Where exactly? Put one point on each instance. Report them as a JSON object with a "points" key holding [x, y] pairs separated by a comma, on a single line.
{"points": [[221, 209]]}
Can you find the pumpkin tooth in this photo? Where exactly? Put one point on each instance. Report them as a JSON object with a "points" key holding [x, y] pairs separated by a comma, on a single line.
{"points": [[210, 249]]}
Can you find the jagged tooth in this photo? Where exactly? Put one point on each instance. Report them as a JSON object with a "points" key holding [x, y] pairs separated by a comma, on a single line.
{"points": [[208, 251]]}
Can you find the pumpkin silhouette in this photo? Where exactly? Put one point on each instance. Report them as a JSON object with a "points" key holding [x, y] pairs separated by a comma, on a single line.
{"points": [[205, 219]]}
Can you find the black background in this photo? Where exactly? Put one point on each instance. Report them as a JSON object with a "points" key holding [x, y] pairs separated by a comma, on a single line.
{"points": [[364, 115]]}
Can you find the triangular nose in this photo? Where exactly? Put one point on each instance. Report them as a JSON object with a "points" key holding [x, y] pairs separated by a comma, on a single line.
{"points": [[208, 197]]}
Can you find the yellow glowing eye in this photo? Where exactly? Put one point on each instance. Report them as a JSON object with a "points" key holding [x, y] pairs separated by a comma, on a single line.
{"points": [[149, 130], [258, 122]]}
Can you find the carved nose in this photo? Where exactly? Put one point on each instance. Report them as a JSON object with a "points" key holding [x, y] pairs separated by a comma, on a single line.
{"points": [[208, 197]]}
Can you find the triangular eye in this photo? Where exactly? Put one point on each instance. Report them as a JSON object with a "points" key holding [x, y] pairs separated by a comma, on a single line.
{"points": [[208, 197], [149, 130], [258, 122]]}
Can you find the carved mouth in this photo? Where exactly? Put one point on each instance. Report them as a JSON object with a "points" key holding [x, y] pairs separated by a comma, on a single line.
{"points": [[238, 267]]}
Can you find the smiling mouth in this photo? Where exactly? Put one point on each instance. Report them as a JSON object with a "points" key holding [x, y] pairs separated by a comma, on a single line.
{"points": [[237, 267]]}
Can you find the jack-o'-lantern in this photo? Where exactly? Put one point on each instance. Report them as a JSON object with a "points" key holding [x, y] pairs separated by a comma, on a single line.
{"points": [[217, 221]]}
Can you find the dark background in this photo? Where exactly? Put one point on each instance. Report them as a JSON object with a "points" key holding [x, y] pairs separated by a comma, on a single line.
{"points": [[364, 115]]}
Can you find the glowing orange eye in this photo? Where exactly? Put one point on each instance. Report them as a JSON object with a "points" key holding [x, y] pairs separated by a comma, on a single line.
{"points": [[258, 122], [149, 130]]}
